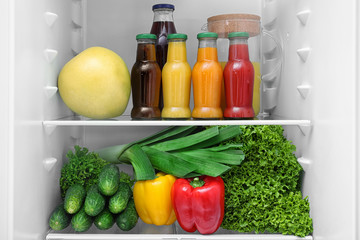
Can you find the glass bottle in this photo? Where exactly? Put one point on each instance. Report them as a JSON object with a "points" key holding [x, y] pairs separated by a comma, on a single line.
{"points": [[163, 24], [239, 78], [145, 80], [176, 80], [207, 78], [226, 23]]}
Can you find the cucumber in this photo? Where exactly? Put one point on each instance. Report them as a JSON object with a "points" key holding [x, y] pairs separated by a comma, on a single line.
{"points": [[59, 218], [74, 198], [104, 220], [128, 218], [94, 201], [109, 180], [81, 222], [118, 202]]}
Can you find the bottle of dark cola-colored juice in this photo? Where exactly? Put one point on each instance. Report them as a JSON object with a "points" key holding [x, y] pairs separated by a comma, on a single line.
{"points": [[145, 80], [163, 25]]}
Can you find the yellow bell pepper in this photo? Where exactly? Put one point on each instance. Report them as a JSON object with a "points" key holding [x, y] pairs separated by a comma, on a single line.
{"points": [[153, 200]]}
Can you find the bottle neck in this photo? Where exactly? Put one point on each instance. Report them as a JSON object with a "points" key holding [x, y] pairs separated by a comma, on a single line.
{"points": [[163, 15], [146, 50], [238, 49], [177, 50], [207, 49]]}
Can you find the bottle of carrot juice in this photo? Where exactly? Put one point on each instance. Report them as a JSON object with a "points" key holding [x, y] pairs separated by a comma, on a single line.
{"points": [[207, 78]]}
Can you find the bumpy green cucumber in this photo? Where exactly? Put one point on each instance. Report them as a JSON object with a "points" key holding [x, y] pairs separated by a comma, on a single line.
{"points": [[74, 198], [109, 180], [94, 201], [81, 222], [59, 218], [128, 218], [118, 202], [104, 220]]}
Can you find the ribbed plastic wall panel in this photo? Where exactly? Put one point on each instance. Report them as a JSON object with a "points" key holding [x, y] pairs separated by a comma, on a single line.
{"points": [[319, 81]]}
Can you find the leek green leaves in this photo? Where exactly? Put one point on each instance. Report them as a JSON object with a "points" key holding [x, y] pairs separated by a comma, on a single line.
{"points": [[180, 151]]}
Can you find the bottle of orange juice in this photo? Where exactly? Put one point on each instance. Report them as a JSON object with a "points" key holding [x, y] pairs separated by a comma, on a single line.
{"points": [[176, 79], [207, 78]]}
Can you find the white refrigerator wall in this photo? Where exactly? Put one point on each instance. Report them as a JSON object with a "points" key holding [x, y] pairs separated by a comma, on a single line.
{"points": [[330, 149], [5, 72], [34, 52], [49, 32], [357, 119]]}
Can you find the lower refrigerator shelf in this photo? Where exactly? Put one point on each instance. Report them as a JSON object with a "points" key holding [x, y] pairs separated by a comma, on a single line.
{"points": [[59, 236], [151, 232]]}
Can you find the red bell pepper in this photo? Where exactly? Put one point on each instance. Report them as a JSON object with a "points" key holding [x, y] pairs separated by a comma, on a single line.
{"points": [[199, 203]]}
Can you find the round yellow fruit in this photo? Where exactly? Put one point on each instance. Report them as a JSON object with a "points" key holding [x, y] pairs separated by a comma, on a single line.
{"points": [[95, 84]]}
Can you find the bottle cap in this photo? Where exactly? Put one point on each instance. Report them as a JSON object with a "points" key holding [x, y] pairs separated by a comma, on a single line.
{"points": [[145, 36], [163, 5], [207, 35], [238, 34], [177, 36]]}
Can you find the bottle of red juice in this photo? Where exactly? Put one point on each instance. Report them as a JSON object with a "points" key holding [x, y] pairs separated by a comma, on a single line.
{"points": [[239, 78]]}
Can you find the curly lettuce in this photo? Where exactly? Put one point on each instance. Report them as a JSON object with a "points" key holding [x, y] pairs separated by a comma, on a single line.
{"points": [[263, 193], [83, 168]]}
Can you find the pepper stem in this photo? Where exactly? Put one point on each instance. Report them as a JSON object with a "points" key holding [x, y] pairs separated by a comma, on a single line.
{"points": [[197, 182]]}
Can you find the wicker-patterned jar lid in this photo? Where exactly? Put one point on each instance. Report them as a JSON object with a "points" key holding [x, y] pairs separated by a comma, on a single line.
{"points": [[227, 23]]}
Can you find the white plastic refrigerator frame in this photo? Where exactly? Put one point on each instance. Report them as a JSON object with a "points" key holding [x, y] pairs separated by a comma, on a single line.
{"points": [[5, 126], [321, 52]]}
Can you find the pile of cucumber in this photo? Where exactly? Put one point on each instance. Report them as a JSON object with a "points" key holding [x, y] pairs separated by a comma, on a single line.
{"points": [[103, 204]]}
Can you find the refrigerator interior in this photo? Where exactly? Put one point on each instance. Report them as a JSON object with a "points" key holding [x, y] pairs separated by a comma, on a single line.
{"points": [[316, 101]]}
